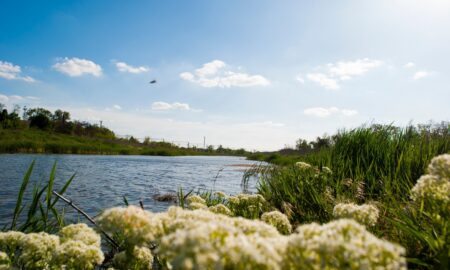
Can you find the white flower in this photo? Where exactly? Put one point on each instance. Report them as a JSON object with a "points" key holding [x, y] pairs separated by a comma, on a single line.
{"points": [[327, 170], [5, 263], [440, 166], [220, 194], [80, 232], [38, 249], [75, 254], [220, 209], [278, 220], [366, 214], [11, 240], [196, 205], [195, 199], [303, 165], [140, 258], [341, 244], [138, 227], [432, 188]]}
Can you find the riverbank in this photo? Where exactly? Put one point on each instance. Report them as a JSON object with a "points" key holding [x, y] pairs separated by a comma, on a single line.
{"points": [[46, 142]]}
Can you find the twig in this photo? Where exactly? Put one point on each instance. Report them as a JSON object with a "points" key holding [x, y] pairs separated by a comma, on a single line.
{"points": [[69, 202]]}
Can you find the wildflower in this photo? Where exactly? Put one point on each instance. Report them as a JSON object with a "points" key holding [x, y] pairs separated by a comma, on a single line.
{"points": [[278, 220], [220, 194], [37, 250], [327, 170], [431, 188], [328, 194], [434, 188], [5, 263], [10, 241], [195, 199], [196, 205], [75, 254], [218, 245], [303, 165], [366, 214], [440, 166], [137, 226], [341, 244], [233, 200], [220, 209], [140, 259], [80, 232]]}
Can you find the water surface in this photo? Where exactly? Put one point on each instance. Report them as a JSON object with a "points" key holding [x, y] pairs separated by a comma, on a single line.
{"points": [[102, 181]]}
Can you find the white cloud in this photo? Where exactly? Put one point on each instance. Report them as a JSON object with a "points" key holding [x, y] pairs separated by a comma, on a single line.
{"points": [[325, 112], [124, 67], [75, 67], [345, 70], [217, 74], [117, 107], [10, 71], [164, 106], [332, 74], [323, 80], [421, 74], [16, 99], [409, 65], [300, 79], [210, 68]]}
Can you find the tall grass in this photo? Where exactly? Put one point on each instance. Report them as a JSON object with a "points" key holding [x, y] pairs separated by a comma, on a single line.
{"points": [[377, 164], [40, 212]]}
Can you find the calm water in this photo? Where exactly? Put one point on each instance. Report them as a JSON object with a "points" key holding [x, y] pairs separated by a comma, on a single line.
{"points": [[102, 181]]}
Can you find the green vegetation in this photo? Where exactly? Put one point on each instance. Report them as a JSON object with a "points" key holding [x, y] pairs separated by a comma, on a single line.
{"points": [[41, 131], [377, 165]]}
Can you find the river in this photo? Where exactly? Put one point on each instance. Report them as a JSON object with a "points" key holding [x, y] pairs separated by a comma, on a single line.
{"points": [[102, 181]]}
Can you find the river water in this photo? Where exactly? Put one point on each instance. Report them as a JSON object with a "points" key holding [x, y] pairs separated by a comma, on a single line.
{"points": [[102, 181]]}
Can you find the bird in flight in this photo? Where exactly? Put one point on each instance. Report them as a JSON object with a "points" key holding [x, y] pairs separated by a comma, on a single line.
{"points": [[152, 82]]}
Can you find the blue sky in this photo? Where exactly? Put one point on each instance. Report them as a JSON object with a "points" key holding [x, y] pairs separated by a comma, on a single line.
{"points": [[255, 74]]}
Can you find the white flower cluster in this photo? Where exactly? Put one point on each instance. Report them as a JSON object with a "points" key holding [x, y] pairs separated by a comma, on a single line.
{"points": [[434, 188], [440, 166], [138, 228], [196, 202], [133, 223], [254, 203], [5, 263], [220, 209], [278, 220], [77, 248], [340, 244], [141, 258], [303, 165], [327, 170], [366, 214], [203, 240]]}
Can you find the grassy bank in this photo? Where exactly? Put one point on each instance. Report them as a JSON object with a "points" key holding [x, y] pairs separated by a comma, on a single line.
{"points": [[378, 166], [39, 141]]}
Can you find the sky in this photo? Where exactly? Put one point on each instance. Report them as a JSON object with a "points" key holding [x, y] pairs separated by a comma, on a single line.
{"points": [[256, 74]]}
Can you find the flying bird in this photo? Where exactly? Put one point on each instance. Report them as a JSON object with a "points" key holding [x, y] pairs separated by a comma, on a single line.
{"points": [[152, 82]]}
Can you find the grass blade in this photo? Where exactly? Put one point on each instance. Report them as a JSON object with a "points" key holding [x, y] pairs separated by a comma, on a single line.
{"points": [[23, 187]]}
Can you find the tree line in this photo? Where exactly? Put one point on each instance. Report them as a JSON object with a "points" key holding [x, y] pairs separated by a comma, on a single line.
{"points": [[58, 121]]}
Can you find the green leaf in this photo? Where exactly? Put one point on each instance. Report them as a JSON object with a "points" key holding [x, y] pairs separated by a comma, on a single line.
{"points": [[23, 187]]}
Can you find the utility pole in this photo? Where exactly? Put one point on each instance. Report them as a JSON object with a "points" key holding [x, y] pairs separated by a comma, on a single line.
{"points": [[101, 123]]}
